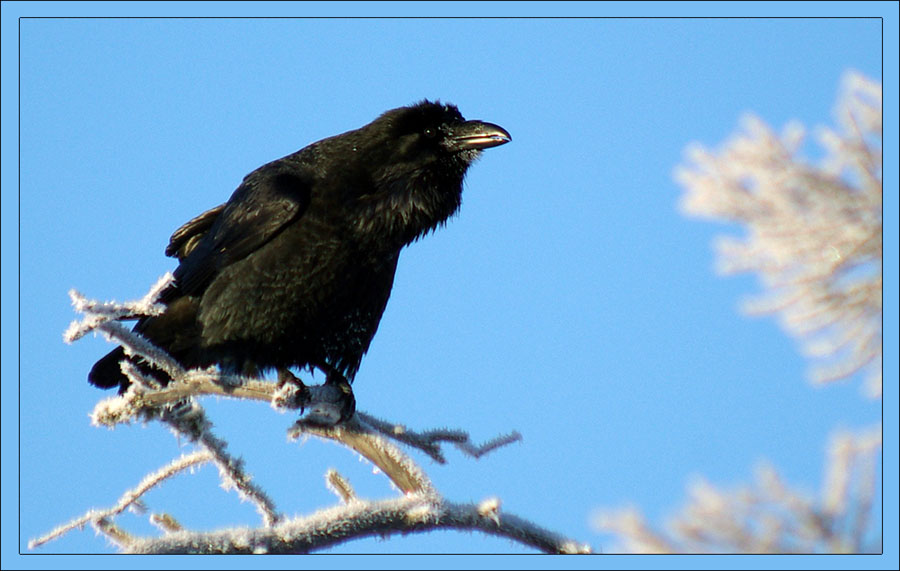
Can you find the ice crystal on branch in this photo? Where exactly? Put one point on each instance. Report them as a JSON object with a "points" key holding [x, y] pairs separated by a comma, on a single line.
{"points": [[813, 232]]}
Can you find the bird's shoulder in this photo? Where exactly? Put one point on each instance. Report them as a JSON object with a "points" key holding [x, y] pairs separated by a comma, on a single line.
{"points": [[267, 201]]}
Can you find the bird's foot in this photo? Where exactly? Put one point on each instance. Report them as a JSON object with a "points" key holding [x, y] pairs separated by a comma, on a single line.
{"points": [[346, 401], [332, 403]]}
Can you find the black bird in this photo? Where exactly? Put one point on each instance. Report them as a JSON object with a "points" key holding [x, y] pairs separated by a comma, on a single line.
{"points": [[295, 270]]}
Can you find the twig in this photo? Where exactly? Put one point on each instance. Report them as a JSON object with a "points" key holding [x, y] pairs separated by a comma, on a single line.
{"points": [[190, 421], [97, 313], [128, 498], [338, 484], [429, 441], [402, 471]]}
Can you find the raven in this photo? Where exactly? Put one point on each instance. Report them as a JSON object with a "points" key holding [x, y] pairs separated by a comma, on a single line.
{"points": [[296, 269]]}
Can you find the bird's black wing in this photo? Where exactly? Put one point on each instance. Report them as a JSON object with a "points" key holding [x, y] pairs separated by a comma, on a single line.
{"points": [[185, 239], [264, 204]]}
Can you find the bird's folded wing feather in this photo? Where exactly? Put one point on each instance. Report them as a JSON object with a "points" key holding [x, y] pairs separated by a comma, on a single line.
{"points": [[258, 210]]}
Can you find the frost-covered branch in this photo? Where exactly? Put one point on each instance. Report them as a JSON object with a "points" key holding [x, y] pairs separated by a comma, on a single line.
{"points": [[415, 513], [420, 508], [812, 233], [429, 441], [97, 312], [769, 516], [141, 399], [189, 420]]}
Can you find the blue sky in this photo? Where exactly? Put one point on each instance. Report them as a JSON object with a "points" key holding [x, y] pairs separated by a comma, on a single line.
{"points": [[568, 300]]}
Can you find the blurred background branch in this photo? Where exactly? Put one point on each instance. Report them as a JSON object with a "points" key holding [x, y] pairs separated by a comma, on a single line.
{"points": [[813, 236], [812, 233]]}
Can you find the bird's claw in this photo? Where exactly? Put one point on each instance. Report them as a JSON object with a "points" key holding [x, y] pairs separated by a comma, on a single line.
{"points": [[291, 392], [333, 402]]}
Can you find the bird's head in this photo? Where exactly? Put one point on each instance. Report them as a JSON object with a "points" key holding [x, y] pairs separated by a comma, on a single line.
{"points": [[417, 158], [434, 134]]}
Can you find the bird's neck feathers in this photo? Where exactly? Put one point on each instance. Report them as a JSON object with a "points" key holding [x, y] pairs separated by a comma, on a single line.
{"points": [[406, 209]]}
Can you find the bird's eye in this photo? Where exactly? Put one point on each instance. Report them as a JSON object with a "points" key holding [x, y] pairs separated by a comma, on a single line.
{"points": [[430, 133]]}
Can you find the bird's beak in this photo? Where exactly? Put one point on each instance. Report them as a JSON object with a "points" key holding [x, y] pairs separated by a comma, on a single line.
{"points": [[476, 135]]}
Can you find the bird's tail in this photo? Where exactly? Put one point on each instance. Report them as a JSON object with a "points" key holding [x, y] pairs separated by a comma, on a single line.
{"points": [[107, 373]]}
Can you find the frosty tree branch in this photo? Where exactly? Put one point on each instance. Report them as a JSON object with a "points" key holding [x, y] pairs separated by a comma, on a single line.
{"points": [[769, 516], [421, 508], [813, 233], [412, 513]]}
